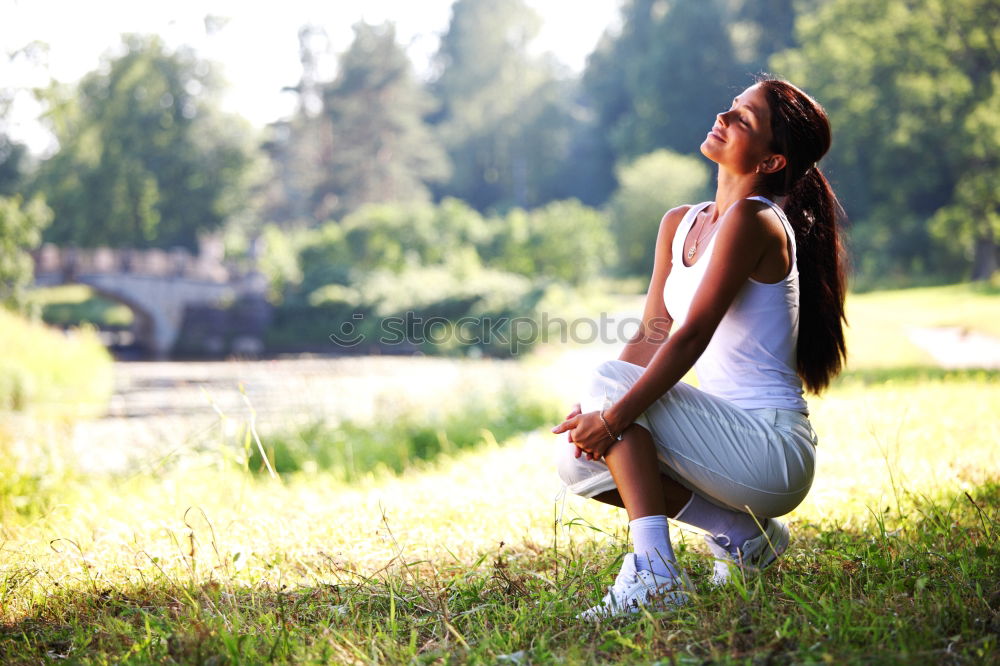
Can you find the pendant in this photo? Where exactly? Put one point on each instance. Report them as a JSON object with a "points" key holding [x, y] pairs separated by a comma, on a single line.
{"points": [[694, 248]]}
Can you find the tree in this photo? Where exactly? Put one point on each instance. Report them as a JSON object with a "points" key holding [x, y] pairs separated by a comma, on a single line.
{"points": [[20, 232], [144, 158], [506, 118], [760, 28], [661, 80], [21, 223], [912, 91], [12, 158], [360, 138], [300, 148], [382, 150], [12, 154]]}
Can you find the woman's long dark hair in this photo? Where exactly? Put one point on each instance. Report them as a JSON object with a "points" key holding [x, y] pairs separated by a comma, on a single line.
{"points": [[801, 132]]}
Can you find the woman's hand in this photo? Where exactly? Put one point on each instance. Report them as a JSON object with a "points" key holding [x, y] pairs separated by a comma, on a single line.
{"points": [[569, 435], [573, 412], [587, 431]]}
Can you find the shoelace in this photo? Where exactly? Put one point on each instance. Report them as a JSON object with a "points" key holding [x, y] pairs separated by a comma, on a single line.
{"points": [[725, 543], [717, 538]]}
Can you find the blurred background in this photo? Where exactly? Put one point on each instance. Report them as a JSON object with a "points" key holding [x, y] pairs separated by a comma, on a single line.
{"points": [[301, 164], [201, 181]]}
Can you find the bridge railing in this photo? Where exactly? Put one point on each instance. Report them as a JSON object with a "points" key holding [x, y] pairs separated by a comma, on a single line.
{"points": [[54, 265]]}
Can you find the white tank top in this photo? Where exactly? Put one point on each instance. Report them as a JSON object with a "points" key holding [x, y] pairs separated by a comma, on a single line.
{"points": [[750, 360]]}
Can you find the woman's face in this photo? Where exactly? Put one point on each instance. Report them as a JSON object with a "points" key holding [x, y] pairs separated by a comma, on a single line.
{"points": [[740, 139]]}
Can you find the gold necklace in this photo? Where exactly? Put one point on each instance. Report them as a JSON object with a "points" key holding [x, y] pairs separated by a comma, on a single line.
{"points": [[694, 248]]}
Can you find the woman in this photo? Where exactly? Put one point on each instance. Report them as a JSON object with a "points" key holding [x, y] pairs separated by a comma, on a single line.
{"points": [[753, 295]]}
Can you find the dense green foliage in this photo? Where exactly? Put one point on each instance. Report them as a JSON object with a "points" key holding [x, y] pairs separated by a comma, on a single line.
{"points": [[425, 261], [472, 166], [662, 80], [21, 226], [12, 156], [145, 159], [563, 239], [924, 86], [913, 92], [12, 153]]}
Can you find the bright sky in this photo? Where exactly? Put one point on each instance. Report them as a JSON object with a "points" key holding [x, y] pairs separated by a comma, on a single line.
{"points": [[257, 44]]}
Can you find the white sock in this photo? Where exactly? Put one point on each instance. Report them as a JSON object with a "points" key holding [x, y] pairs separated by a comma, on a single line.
{"points": [[719, 522], [651, 540]]}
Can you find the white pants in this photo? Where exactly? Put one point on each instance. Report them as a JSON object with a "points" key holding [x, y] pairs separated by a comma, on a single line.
{"points": [[759, 460]]}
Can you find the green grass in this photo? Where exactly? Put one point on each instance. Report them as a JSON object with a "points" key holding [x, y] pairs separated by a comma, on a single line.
{"points": [[45, 371], [349, 450], [878, 321], [891, 560], [47, 379], [471, 557]]}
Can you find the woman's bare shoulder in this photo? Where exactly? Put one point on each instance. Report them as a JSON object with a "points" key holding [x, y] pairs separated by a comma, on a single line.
{"points": [[671, 220], [675, 215], [755, 218]]}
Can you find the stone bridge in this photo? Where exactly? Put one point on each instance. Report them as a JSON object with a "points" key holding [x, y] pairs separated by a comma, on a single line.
{"points": [[164, 289]]}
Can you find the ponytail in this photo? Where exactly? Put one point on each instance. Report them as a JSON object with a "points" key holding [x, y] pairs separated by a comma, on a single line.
{"points": [[800, 131], [814, 212]]}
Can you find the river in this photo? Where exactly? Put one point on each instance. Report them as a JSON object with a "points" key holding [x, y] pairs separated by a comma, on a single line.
{"points": [[164, 410]]}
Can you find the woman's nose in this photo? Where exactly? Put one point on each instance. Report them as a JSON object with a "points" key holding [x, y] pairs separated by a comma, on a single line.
{"points": [[722, 118]]}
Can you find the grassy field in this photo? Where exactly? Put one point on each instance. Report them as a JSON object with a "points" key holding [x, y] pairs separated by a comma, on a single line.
{"points": [[474, 557], [52, 374], [880, 321]]}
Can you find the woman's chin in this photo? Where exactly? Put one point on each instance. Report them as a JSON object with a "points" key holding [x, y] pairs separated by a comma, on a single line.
{"points": [[706, 150]]}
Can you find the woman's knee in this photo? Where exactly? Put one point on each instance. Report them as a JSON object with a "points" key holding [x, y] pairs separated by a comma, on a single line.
{"points": [[615, 369], [599, 376], [608, 381], [574, 471]]}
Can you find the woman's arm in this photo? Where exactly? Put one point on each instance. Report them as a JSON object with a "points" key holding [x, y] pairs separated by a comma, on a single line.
{"points": [[740, 244], [656, 320]]}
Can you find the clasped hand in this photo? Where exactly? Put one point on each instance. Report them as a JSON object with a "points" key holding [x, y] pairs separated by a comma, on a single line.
{"points": [[587, 432]]}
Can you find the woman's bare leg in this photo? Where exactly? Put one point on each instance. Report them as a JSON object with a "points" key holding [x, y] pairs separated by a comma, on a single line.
{"points": [[633, 465], [642, 490]]}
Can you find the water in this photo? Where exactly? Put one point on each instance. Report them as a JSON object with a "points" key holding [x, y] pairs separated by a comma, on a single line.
{"points": [[163, 411]]}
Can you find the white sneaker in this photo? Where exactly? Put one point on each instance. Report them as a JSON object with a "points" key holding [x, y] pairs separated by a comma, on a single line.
{"points": [[756, 553], [635, 588]]}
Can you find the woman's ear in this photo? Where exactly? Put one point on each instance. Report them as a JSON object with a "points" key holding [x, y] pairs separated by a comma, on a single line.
{"points": [[773, 164]]}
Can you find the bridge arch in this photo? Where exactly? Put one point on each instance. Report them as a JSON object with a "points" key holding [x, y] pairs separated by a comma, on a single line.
{"points": [[156, 285], [143, 321]]}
